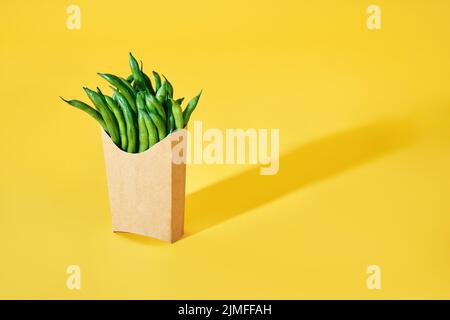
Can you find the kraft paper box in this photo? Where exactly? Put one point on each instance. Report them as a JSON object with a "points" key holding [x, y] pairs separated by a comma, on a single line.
{"points": [[147, 190]]}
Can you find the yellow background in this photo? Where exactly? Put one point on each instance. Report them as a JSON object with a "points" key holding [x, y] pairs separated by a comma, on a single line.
{"points": [[364, 118]]}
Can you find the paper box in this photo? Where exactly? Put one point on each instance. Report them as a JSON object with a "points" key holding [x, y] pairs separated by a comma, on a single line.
{"points": [[147, 190]]}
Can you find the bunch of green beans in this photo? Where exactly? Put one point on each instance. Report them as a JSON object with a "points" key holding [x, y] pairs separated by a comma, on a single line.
{"points": [[137, 114]]}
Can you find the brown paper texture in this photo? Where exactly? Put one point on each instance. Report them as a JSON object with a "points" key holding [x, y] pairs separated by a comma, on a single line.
{"points": [[147, 190]]}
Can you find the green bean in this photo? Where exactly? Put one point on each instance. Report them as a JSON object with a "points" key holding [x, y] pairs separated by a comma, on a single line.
{"points": [[118, 83], [177, 114], [169, 87], [151, 108], [190, 108], [180, 101], [106, 113], [148, 134], [147, 81], [128, 85], [171, 124], [129, 121], [99, 91], [120, 120], [143, 133], [151, 129], [140, 102], [154, 105], [96, 99], [157, 80], [115, 81], [103, 98], [161, 94], [137, 75], [159, 123], [89, 110], [130, 79]]}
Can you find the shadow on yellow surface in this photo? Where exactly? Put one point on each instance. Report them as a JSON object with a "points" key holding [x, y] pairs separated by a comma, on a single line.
{"points": [[139, 239], [303, 166]]}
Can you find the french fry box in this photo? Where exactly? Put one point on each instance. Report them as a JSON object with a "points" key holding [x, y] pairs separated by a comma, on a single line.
{"points": [[147, 189]]}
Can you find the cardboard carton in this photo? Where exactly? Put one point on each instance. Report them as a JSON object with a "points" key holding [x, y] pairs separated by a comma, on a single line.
{"points": [[147, 190]]}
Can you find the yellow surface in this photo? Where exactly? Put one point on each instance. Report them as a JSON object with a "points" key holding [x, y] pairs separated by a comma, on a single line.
{"points": [[364, 118]]}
